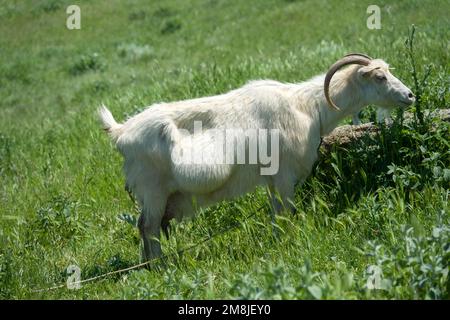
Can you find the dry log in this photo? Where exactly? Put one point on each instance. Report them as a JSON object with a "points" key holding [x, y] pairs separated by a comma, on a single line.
{"points": [[346, 134]]}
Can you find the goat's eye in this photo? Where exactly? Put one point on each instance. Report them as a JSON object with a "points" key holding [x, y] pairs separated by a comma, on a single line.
{"points": [[381, 77]]}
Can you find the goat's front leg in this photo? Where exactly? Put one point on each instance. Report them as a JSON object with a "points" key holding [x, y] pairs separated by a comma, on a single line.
{"points": [[282, 197]]}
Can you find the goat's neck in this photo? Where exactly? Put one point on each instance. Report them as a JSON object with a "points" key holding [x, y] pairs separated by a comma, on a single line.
{"points": [[347, 96]]}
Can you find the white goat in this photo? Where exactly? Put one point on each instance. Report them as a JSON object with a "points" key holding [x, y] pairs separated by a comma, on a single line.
{"points": [[302, 113]]}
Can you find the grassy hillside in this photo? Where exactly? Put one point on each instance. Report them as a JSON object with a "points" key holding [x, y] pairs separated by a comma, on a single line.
{"points": [[382, 202]]}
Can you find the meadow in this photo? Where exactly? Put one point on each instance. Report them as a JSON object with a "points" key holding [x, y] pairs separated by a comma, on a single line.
{"points": [[375, 212]]}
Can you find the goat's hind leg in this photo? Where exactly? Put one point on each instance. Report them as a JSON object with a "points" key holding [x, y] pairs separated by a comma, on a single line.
{"points": [[149, 228], [149, 225]]}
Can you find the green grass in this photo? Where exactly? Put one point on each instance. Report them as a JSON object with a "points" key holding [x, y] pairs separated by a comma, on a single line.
{"points": [[381, 202]]}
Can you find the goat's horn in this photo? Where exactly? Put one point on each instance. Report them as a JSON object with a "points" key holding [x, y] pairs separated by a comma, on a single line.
{"points": [[358, 54], [349, 59]]}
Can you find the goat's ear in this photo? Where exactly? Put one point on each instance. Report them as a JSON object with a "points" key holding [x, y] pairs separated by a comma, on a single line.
{"points": [[366, 70]]}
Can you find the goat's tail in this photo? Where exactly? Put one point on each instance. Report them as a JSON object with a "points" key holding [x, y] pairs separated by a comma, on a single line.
{"points": [[110, 125]]}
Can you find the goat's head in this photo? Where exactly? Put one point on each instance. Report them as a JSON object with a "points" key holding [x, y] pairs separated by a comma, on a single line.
{"points": [[377, 84]]}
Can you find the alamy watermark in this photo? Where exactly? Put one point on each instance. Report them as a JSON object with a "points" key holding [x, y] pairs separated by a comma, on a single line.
{"points": [[74, 277], [73, 21], [375, 279], [228, 146], [374, 19]]}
